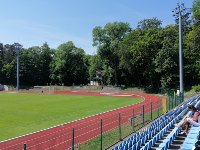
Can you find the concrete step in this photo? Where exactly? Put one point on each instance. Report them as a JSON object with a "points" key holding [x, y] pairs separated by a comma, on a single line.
{"points": [[175, 146], [153, 148]]}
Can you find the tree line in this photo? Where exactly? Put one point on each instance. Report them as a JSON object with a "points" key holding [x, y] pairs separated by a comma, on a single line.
{"points": [[146, 56]]}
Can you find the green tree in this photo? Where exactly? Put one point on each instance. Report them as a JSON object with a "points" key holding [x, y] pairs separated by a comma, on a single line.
{"points": [[152, 23], [34, 65], [166, 60], [196, 11], [107, 73], [96, 64], [1, 62], [8, 64], [45, 60], [107, 40], [138, 52], [30, 66], [192, 56], [68, 65], [192, 52]]}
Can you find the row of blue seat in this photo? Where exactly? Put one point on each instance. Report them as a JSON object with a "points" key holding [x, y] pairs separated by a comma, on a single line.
{"points": [[166, 143], [165, 130], [172, 135], [161, 134], [150, 132], [149, 136], [138, 139], [156, 130], [192, 137]]}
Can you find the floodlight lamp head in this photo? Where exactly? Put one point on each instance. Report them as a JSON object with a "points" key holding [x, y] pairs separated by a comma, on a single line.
{"points": [[18, 47]]}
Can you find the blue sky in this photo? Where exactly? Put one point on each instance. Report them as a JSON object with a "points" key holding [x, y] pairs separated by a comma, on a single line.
{"points": [[32, 22]]}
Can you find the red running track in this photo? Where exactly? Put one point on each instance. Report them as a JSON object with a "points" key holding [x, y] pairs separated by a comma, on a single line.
{"points": [[60, 137]]}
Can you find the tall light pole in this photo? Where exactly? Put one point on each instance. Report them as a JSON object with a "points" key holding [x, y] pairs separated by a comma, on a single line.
{"points": [[18, 47], [180, 51], [180, 11]]}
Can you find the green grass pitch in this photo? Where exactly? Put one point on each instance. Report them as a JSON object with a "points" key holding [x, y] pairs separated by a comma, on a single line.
{"points": [[24, 113]]}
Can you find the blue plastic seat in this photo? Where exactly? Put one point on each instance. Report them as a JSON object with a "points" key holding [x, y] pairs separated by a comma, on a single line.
{"points": [[193, 136], [187, 146], [191, 141], [138, 145], [133, 147]]}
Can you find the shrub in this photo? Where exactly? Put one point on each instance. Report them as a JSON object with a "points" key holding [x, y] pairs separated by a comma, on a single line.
{"points": [[196, 88]]}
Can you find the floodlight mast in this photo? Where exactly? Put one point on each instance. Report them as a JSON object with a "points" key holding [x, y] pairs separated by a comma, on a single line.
{"points": [[180, 51], [179, 12], [18, 48]]}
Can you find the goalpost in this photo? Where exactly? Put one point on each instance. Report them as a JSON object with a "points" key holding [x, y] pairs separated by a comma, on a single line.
{"points": [[43, 89]]}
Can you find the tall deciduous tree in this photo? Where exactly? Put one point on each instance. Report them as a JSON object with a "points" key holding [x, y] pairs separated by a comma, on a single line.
{"points": [[45, 60], [196, 11], [194, 42], [107, 40], [152, 23], [96, 64], [8, 68], [30, 66], [34, 65], [192, 56], [138, 52], [1, 62], [166, 60], [68, 65]]}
